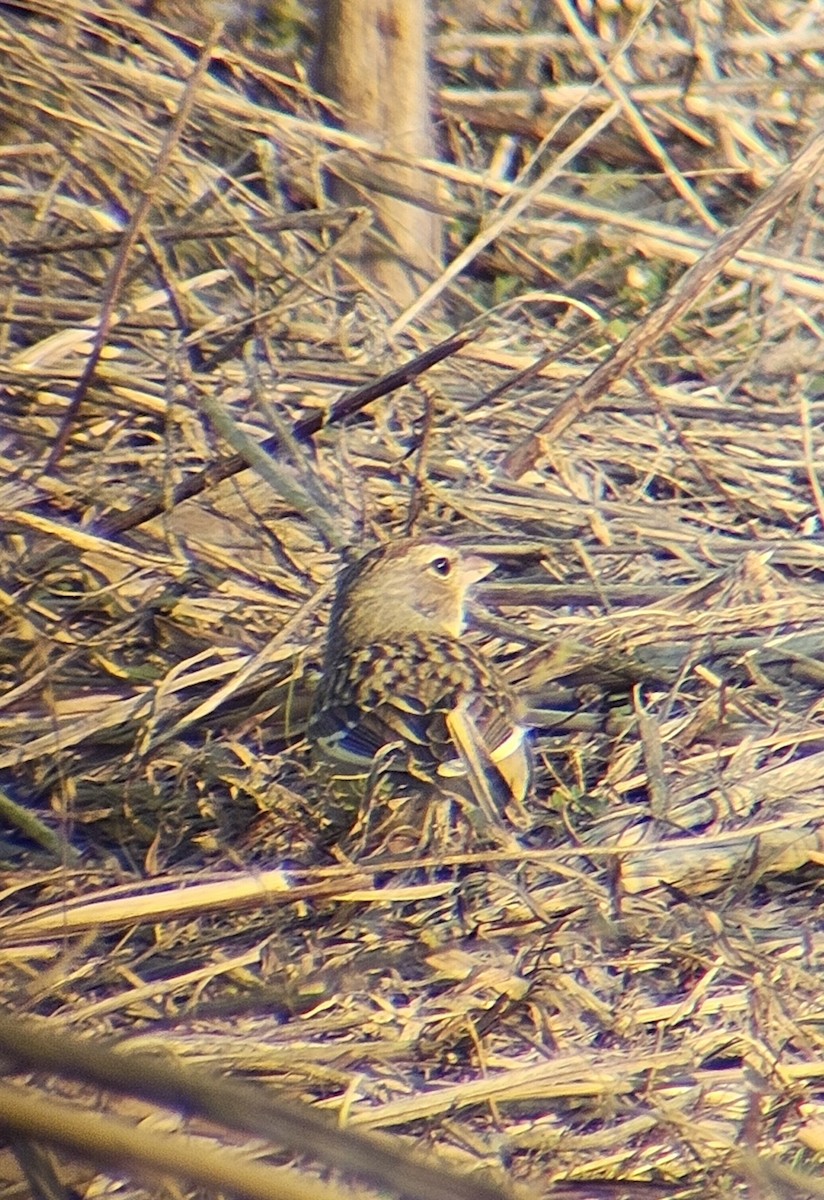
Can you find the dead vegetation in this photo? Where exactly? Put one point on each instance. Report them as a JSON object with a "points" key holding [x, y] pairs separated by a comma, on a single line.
{"points": [[631, 1003]]}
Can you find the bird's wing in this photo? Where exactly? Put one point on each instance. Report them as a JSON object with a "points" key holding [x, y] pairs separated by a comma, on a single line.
{"points": [[499, 775], [352, 735], [440, 703]]}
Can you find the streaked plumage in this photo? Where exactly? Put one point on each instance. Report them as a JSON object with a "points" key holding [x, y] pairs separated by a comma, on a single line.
{"points": [[403, 700]]}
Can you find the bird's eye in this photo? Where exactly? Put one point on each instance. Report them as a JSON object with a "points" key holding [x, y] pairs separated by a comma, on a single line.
{"points": [[441, 566]]}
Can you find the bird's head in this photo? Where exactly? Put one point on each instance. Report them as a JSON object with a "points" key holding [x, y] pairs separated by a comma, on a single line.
{"points": [[414, 585]]}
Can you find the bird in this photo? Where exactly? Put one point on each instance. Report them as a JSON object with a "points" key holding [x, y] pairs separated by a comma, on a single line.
{"points": [[404, 701]]}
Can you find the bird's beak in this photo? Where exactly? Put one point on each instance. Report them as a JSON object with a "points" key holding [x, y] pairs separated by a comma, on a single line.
{"points": [[475, 567]]}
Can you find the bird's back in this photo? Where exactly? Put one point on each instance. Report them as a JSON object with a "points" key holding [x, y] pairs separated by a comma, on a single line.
{"points": [[406, 693]]}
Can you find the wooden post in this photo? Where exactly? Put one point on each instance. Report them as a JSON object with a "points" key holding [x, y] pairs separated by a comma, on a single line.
{"points": [[372, 60]]}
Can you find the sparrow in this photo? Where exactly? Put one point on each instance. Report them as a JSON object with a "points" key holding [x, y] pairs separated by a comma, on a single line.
{"points": [[404, 701]]}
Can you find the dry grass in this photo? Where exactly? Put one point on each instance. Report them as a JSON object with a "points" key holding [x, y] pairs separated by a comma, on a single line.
{"points": [[630, 1002]]}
